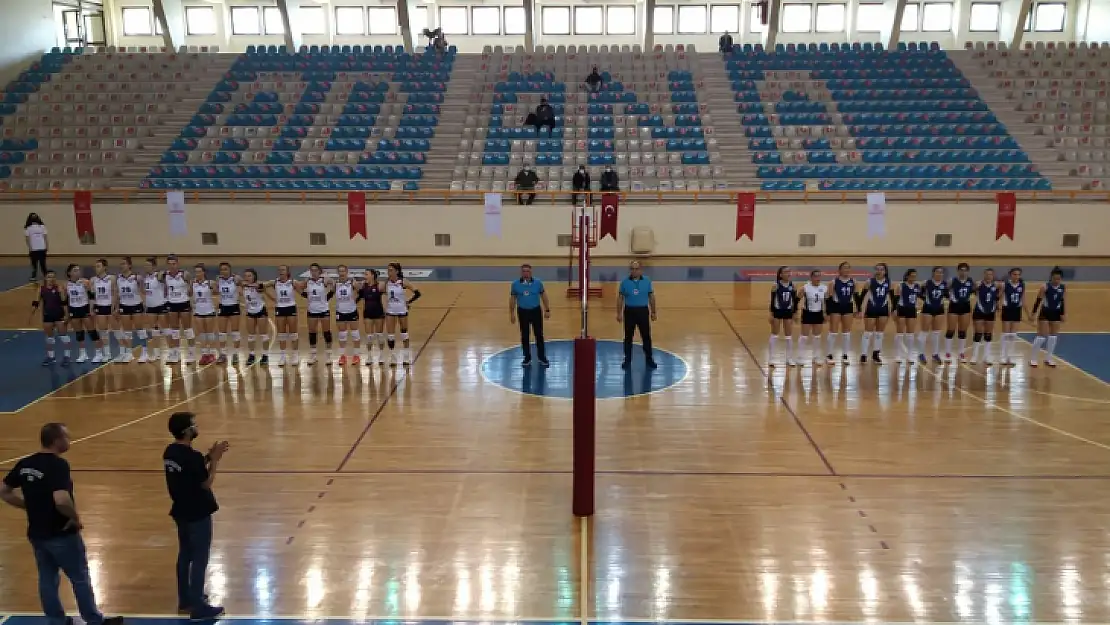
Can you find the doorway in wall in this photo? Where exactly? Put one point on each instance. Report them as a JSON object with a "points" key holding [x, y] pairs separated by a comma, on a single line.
{"points": [[79, 23]]}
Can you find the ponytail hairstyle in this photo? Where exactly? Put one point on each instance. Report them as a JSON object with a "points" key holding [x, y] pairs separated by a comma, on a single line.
{"points": [[253, 273], [886, 269], [397, 267], [780, 272], [909, 272], [69, 269]]}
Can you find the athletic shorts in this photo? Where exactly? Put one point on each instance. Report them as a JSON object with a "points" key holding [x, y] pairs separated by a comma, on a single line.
{"points": [[876, 313], [959, 308], [230, 310], [373, 313], [907, 312], [285, 311], [56, 316], [839, 308], [129, 311], [103, 311], [210, 315], [979, 315], [317, 315], [1050, 315], [813, 317], [160, 309], [399, 315], [179, 307], [262, 314], [777, 313], [345, 317], [79, 312], [1011, 315], [933, 311]]}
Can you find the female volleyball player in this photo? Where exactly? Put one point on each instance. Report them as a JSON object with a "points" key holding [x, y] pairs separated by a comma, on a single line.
{"points": [[875, 310], [905, 320], [285, 314], [346, 314], [1050, 301], [51, 300], [179, 313], [959, 311], [397, 311], [80, 313], [129, 307], [254, 295], [104, 300], [841, 307], [813, 316], [1013, 304], [933, 294], [373, 312], [154, 322], [227, 321], [204, 314], [784, 304], [986, 310], [317, 291]]}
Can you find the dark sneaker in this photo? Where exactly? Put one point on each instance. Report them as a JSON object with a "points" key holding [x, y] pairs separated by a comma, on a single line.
{"points": [[207, 613], [544, 362], [111, 620], [527, 362], [624, 365], [651, 364]]}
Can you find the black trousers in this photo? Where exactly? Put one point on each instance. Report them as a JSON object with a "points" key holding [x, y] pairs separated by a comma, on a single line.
{"points": [[550, 128], [637, 317], [525, 196], [531, 321], [38, 261], [579, 193]]}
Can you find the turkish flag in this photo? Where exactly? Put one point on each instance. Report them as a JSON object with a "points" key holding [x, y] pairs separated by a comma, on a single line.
{"points": [[1007, 215], [610, 207], [745, 216], [82, 214], [356, 213]]}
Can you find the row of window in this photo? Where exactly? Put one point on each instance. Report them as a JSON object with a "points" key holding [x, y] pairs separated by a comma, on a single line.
{"points": [[684, 19]]}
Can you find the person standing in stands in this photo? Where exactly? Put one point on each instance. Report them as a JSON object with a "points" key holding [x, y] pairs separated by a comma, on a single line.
{"points": [[54, 527], [594, 81], [189, 478], [636, 309], [525, 182], [525, 298], [724, 44], [35, 233], [545, 116], [610, 181], [581, 182]]}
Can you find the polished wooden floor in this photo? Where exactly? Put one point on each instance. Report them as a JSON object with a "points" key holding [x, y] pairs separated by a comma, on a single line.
{"points": [[867, 494]]}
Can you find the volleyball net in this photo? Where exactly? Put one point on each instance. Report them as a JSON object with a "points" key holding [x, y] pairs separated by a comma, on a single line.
{"points": [[584, 400]]}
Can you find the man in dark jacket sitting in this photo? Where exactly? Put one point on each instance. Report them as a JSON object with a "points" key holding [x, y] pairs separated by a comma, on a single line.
{"points": [[594, 80], [545, 116], [609, 180], [581, 182], [526, 181]]}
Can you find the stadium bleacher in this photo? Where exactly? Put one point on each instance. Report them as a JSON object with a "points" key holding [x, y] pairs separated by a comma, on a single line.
{"points": [[807, 117]]}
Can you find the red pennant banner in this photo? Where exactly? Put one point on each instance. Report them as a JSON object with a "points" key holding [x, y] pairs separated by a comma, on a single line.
{"points": [[356, 213], [745, 216], [82, 214], [610, 208], [1007, 215]]}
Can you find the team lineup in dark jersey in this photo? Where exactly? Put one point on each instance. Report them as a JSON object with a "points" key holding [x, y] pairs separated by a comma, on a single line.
{"points": [[189, 317], [922, 312]]}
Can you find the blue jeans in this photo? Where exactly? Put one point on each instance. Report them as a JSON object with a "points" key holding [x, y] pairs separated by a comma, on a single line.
{"points": [[65, 554], [194, 543]]}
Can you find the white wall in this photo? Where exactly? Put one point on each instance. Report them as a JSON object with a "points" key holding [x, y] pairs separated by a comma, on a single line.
{"points": [[27, 30]]}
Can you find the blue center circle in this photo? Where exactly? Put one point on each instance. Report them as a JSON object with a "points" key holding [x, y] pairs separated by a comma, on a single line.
{"points": [[505, 370]]}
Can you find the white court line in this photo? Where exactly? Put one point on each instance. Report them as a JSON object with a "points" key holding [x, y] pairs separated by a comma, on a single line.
{"points": [[501, 619], [1061, 360], [583, 571], [4, 619], [151, 415]]}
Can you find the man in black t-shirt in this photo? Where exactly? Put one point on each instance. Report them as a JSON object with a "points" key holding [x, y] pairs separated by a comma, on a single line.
{"points": [[53, 526], [189, 477]]}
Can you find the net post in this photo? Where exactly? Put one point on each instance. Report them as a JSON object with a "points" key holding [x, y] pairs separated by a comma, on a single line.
{"points": [[584, 411]]}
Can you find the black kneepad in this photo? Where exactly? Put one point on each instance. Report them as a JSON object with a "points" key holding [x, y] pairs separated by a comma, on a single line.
{"points": [[949, 334], [327, 337], [312, 338], [963, 334], [79, 335], [94, 336], [391, 343], [978, 337], [988, 337]]}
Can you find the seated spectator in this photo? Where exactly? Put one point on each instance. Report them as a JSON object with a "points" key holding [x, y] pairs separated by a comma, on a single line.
{"points": [[545, 116], [526, 181], [594, 80], [724, 44], [581, 182], [610, 181], [440, 44]]}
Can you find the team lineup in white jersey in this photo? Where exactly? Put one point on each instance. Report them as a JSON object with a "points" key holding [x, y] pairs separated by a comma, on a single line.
{"points": [[178, 316]]}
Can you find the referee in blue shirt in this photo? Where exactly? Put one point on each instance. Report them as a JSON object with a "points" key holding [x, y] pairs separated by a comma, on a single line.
{"points": [[525, 297], [636, 308]]}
